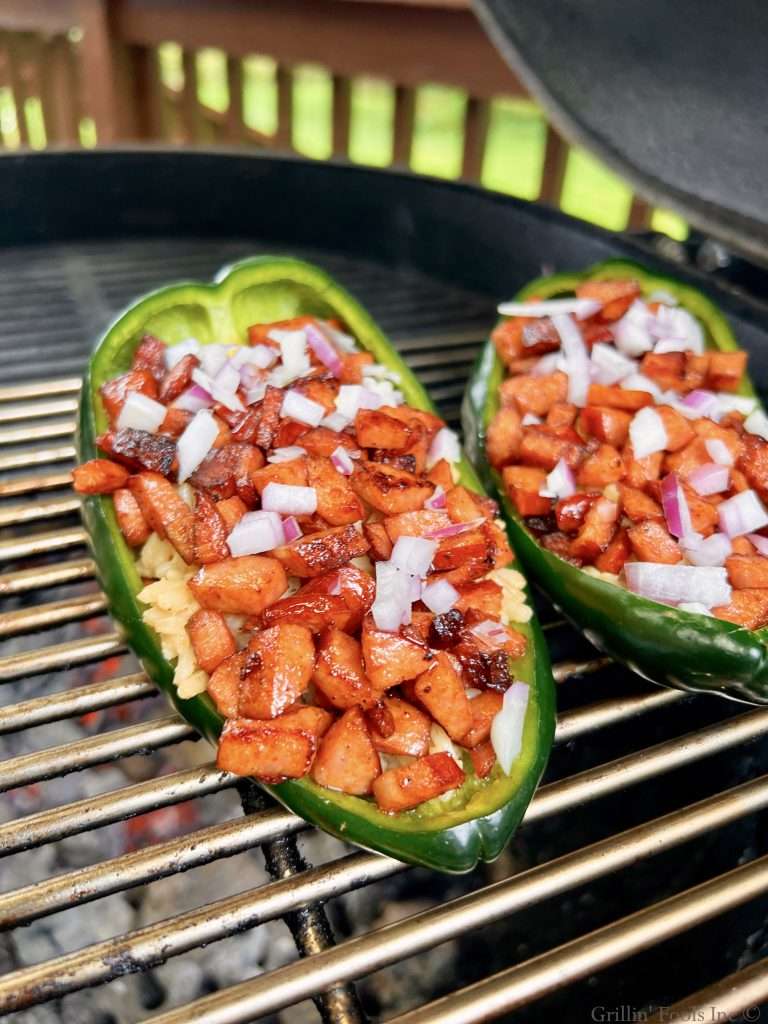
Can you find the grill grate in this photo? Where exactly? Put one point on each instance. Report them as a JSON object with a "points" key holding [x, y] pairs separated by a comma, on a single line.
{"points": [[664, 769]]}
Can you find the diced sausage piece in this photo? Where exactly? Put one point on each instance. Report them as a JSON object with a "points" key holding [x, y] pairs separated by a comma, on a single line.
{"points": [[340, 599], [747, 572], [616, 554], [165, 511], [347, 759], [406, 462], [465, 547], [390, 490], [258, 334], [99, 476], [224, 684], [464, 506], [150, 355], [352, 367], [507, 337], [540, 336], [597, 531], [559, 544], [603, 467], [339, 670], [703, 513], [231, 511], [374, 429], [499, 553], [483, 596], [532, 394], [709, 430], [748, 608], [741, 546], [441, 691], [277, 670], [264, 751], [505, 433], [176, 422], [695, 371], [570, 512], [411, 733], [678, 428], [667, 369], [318, 553], [685, 461], [523, 484], [400, 789], [377, 536], [483, 758], [293, 473], [269, 419], [391, 658], [239, 586], [753, 462], [224, 436], [138, 449], [640, 472], [542, 446], [337, 503], [133, 526], [211, 638], [304, 718], [562, 415], [428, 421], [229, 470], [178, 378], [638, 505], [651, 542], [210, 531], [616, 296], [484, 709], [618, 398], [322, 441], [726, 370], [115, 391], [441, 474], [379, 719], [606, 424], [414, 524]]}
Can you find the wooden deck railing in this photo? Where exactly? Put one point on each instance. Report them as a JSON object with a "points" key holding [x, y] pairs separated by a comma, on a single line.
{"points": [[85, 71]]}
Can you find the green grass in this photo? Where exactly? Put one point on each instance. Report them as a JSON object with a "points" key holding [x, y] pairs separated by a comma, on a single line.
{"points": [[513, 156]]}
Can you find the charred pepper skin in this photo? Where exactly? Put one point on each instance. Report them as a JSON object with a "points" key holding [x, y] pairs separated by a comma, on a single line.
{"points": [[265, 289], [674, 648]]}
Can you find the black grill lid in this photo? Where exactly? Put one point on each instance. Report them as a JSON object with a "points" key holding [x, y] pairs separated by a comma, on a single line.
{"points": [[670, 93]]}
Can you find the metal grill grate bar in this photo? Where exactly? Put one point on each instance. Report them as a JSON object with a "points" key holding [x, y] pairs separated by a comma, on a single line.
{"points": [[41, 389], [24, 580], [15, 515], [55, 613], [38, 410], [37, 457], [108, 746], [70, 703], [357, 957], [20, 435], [726, 1000], [598, 716], [41, 543], [78, 652], [92, 812], [34, 484]]}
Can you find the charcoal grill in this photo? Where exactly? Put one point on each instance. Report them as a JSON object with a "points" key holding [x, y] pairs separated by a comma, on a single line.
{"points": [[640, 875]]}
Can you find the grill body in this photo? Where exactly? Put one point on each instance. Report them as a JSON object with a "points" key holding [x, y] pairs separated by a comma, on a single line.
{"points": [[649, 794]]}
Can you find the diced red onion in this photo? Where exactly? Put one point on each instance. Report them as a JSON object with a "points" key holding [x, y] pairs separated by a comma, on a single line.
{"points": [[674, 584], [694, 607], [647, 433], [140, 412], [335, 422], [340, 339], [256, 532], [335, 587], [454, 529], [445, 445], [678, 323], [342, 461], [639, 382], [323, 349], [700, 402], [286, 454], [298, 407], [291, 529], [440, 596], [219, 394], [490, 632], [256, 393], [760, 543], [576, 356], [632, 332], [352, 397], [195, 442], [757, 423], [212, 358], [415, 587], [709, 479], [228, 378], [712, 550], [193, 399], [608, 365], [734, 403], [175, 353], [260, 356], [413, 554], [392, 605], [530, 419], [437, 502], [660, 295], [671, 345], [560, 483], [251, 376], [675, 506], [718, 451], [743, 513], [549, 363], [289, 499], [507, 726], [380, 372], [580, 308]]}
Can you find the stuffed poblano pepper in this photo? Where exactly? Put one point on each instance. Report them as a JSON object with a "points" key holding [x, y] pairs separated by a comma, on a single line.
{"points": [[612, 414], [301, 557]]}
